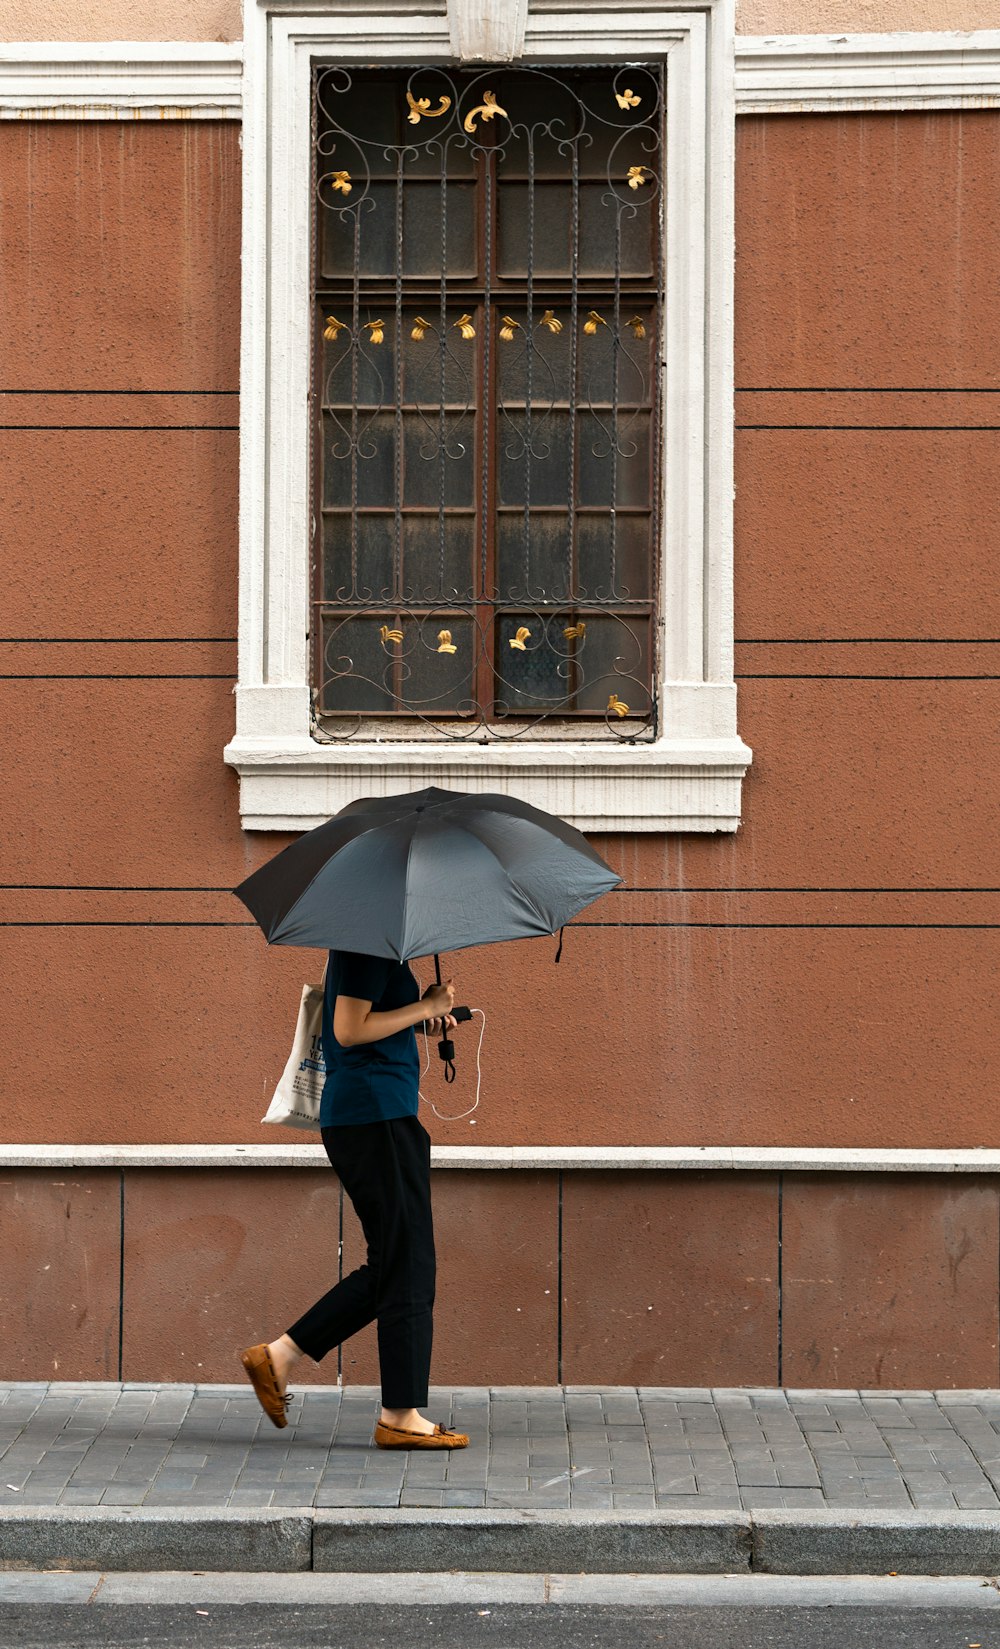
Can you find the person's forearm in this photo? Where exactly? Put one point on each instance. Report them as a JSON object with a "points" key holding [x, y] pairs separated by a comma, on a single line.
{"points": [[379, 1025]]}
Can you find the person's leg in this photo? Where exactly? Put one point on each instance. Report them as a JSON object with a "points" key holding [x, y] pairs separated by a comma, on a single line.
{"points": [[405, 1278], [349, 1305]]}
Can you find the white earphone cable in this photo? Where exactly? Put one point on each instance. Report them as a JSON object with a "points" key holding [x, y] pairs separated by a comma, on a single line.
{"points": [[479, 1074]]}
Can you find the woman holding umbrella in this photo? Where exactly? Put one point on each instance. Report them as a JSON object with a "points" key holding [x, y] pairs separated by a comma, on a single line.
{"points": [[381, 1153], [388, 878]]}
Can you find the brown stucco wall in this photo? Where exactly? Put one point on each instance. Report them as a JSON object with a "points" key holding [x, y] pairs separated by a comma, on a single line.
{"points": [[825, 977]]}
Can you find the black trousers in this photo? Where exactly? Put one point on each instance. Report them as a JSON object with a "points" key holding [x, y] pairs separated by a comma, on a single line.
{"points": [[385, 1169]]}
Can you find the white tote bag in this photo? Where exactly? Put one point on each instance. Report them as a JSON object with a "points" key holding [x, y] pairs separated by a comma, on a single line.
{"points": [[297, 1097]]}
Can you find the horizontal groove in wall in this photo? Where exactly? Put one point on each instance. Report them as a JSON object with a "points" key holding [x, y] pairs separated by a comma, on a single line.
{"points": [[803, 675], [134, 675], [60, 428], [905, 429], [680, 892], [638, 908], [41, 393]]}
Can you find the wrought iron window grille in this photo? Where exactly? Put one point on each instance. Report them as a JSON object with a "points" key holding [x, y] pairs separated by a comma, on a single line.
{"points": [[488, 291]]}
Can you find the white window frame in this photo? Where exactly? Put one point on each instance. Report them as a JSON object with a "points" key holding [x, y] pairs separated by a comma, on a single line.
{"points": [[690, 777]]}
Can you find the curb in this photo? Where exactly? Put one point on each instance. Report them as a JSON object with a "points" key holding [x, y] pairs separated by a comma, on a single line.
{"points": [[529, 1542], [813, 1542], [121, 1537]]}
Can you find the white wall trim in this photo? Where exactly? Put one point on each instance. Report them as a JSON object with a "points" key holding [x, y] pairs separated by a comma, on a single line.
{"points": [[775, 74], [533, 1158], [120, 80], [815, 73], [690, 778]]}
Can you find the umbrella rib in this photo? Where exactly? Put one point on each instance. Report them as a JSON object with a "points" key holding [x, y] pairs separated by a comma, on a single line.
{"points": [[514, 884]]}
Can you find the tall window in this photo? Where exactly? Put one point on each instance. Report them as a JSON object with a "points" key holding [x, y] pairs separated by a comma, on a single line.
{"points": [[488, 296]]}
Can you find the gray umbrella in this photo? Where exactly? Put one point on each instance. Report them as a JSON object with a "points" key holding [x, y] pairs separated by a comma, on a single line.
{"points": [[435, 870]]}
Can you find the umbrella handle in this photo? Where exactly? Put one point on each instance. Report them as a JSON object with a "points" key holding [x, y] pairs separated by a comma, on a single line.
{"points": [[437, 968]]}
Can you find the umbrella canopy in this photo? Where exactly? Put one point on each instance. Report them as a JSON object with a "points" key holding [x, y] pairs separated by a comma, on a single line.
{"points": [[435, 870]]}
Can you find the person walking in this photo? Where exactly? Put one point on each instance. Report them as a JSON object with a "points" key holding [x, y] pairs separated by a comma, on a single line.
{"points": [[380, 1151]]}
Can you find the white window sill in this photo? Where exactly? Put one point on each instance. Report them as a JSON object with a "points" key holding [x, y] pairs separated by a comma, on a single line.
{"points": [[670, 785]]}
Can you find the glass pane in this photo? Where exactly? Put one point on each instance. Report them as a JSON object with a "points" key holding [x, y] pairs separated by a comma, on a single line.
{"points": [[535, 458], [613, 459], [424, 249], [357, 671], [375, 558], [615, 660], [438, 461], [373, 219], [536, 673], [433, 375], [424, 578], [536, 569], [552, 222], [600, 211], [614, 557], [374, 363], [438, 681], [548, 357], [635, 357], [372, 450]]}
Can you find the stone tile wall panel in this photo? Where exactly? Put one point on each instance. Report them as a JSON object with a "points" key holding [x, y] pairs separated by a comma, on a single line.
{"points": [[60, 1235], [889, 1281], [670, 1279], [215, 1261]]}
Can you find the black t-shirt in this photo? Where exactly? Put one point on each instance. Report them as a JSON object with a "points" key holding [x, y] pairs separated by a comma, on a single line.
{"points": [[377, 1080]]}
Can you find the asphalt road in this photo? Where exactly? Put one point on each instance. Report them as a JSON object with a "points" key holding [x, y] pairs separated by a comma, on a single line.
{"points": [[503, 1626]]}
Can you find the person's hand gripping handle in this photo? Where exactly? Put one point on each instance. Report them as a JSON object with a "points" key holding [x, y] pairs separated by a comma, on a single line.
{"points": [[442, 997]]}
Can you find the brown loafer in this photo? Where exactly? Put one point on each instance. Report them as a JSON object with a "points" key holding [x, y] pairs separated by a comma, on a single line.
{"points": [[390, 1437], [257, 1362]]}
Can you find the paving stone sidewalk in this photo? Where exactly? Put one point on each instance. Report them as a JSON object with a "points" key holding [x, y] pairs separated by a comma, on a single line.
{"points": [[575, 1447]]}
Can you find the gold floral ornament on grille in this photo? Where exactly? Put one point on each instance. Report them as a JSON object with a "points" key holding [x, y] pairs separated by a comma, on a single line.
{"points": [[333, 329], [617, 705], [509, 327], [420, 326], [376, 331], [389, 635], [341, 181], [518, 641], [628, 99], [552, 321], [593, 321], [420, 109], [638, 175], [638, 326], [465, 326], [445, 643], [487, 108], [573, 631]]}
